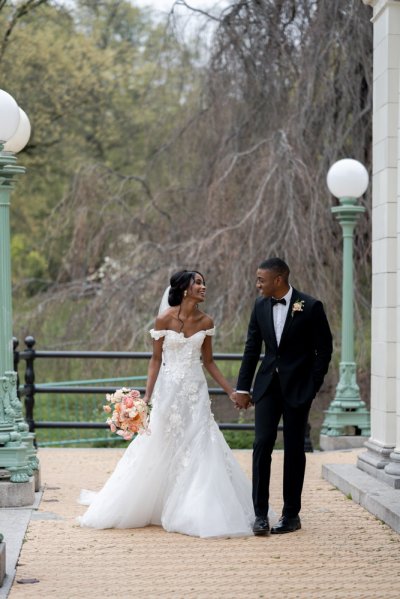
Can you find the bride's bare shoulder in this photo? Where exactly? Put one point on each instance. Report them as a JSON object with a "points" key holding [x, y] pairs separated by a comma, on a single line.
{"points": [[163, 320], [206, 321]]}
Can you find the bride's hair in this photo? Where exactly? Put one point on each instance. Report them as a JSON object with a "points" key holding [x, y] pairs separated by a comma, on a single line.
{"points": [[179, 282]]}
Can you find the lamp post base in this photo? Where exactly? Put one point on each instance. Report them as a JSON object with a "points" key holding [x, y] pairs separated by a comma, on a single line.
{"points": [[13, 458], [21, 426], [339, 421], [21, 495], [14, 453], [347, 411]]}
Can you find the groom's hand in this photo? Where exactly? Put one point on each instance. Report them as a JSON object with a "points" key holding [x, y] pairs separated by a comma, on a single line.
{"points": [[241, 400]]}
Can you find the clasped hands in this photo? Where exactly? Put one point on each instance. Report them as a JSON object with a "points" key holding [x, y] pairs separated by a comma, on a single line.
{"points": [[241, 400]]}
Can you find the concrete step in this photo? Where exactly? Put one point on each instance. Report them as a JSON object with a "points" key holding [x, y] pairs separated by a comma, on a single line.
{"points": [[377, 497]]}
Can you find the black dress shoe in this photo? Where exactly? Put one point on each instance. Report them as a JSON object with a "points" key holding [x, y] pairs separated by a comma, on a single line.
{"points": [[286, 524], [261, 527]]}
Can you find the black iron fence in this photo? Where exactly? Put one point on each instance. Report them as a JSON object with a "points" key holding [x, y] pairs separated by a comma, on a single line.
{"points": [[30, 389]]}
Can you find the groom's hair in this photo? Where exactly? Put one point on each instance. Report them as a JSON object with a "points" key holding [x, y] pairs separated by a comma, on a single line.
{"points": [[277, 265]]}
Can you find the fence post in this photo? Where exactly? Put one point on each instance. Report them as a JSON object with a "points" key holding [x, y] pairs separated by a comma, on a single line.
{"points": [[16, 362], [29, 386]]}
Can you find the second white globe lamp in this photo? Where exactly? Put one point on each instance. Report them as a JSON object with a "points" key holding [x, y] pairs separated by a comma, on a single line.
{"points": [[347, 178], [21, 137], [9, 116]]}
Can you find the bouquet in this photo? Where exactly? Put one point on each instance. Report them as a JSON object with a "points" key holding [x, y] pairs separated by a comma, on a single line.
{"points": [[129, 414]]}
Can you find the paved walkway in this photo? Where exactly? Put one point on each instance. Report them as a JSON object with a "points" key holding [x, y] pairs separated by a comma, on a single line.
{"points": [[342, 551]]}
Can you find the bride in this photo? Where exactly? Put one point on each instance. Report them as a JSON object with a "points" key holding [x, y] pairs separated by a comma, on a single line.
{"points": [[183, 475]]}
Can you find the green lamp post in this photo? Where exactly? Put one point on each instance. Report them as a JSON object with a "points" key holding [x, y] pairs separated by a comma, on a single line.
{"points": [[18, 459], [347, 180]]}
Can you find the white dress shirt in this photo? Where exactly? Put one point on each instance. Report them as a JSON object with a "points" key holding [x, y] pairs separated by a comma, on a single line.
{"points": [[279, 313]]}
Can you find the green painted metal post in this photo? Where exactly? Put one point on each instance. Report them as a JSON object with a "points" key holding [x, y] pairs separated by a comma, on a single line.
{"points": [[347, 220], [16, 442], [5, 279], [347, 409]]}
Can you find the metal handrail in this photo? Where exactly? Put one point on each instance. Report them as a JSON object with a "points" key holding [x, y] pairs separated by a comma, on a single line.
{"points": [[96, 390], [87, 381], [110, 354]]}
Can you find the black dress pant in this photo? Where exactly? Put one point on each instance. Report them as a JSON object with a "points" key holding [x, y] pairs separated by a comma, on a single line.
{"points": [[268, 412]]}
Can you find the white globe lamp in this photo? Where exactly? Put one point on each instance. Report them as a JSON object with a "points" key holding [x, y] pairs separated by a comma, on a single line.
{"points": [[9, 116], [21, 137], [347, 178]]}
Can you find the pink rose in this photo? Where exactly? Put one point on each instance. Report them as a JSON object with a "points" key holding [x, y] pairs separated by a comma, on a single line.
{"points": [[107, 408], [129, 402]]}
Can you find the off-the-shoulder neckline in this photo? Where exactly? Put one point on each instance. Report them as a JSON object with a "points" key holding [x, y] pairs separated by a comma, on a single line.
{"points": [[181, 333]]}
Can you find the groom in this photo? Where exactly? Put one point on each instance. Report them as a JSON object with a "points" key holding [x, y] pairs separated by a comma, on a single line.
{"points": [[298, 348]]}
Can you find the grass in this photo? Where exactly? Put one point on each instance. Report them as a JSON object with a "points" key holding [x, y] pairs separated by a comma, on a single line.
{"points": [[239, 439], [78, 408]]}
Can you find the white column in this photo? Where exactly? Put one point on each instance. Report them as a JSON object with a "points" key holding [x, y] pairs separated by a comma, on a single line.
{"points": [[385, 336], [393, 468]]}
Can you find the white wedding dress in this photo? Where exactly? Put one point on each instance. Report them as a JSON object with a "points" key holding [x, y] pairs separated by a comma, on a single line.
{"points": [[183, 475]]}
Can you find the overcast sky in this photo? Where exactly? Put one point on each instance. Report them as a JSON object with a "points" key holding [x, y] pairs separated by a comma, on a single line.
{"points": [[165, 5], [186, 21]]}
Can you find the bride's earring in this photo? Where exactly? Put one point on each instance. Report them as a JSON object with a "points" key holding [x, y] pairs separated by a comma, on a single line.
{"points": [[185, 293]]}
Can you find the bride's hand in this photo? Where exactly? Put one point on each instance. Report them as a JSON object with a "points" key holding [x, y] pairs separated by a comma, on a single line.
{"points": [[146, 399], [242, 400]]}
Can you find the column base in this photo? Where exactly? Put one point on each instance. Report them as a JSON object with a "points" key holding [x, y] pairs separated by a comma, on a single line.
{"points": [[376, 461], [393, 468]]}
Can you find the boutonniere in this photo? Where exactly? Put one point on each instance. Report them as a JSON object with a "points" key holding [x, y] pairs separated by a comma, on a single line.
{"points": [[298, 306]]}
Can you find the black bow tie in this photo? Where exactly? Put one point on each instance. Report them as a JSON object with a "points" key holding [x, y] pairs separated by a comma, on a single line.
{"points": [[276, 301]]}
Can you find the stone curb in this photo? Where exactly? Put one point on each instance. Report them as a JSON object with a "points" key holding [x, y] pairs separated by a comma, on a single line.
{"points": [[13, 525]]}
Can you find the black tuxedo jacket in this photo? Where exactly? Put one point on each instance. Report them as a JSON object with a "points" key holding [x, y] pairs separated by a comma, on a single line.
{"points": [[302, 358]]}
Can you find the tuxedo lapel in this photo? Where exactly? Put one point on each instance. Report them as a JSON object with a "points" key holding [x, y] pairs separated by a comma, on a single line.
{"points": [[270, 322], [289, 317]]}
